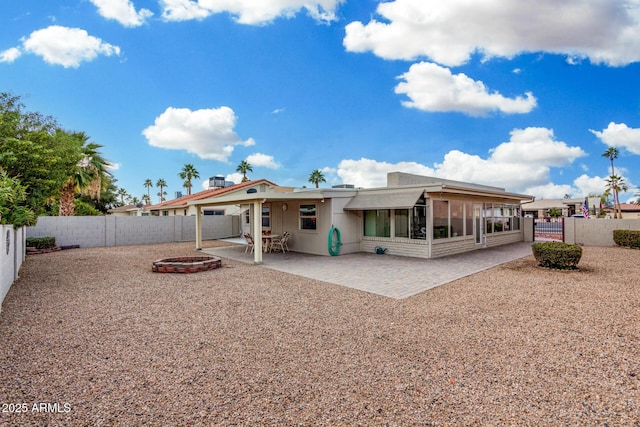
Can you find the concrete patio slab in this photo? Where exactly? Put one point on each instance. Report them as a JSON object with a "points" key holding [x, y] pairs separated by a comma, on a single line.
{"points": [[386, 275]]}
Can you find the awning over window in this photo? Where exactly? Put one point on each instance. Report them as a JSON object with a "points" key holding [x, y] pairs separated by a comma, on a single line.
{"points": [[389, 199]]}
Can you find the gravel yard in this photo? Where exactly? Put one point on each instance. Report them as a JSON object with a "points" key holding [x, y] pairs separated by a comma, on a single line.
{"points": [[103, 341]]}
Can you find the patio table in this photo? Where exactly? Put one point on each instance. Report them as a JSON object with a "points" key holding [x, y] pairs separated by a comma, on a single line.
{"points": [[266, 241]]}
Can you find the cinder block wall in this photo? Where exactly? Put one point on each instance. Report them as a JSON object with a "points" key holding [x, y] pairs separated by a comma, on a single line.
{"points": [[93, 231], [596, 231]]}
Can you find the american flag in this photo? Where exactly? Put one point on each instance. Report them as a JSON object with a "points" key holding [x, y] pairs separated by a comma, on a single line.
{"points": [[585, 208]]}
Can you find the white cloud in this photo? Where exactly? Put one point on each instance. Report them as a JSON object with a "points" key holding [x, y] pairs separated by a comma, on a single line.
{"points": [[550, 191], [586, 185], [249, 12], [431, 87], [449, 32], [67, 46], [235, 177], [10, 55], [208, 133], [113, 166], [122, 11], [520, 164], [620, 135], [371, 173], [259, 159]]}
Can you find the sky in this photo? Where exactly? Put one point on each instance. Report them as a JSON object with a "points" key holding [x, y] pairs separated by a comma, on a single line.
{"points": [[525, 96]]}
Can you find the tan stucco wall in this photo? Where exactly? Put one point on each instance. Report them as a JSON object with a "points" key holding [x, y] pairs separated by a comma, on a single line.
{"points": [[596, 231]]}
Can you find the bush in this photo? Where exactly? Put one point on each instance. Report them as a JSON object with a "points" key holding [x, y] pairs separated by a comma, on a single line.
{"points": [[562, 256], [41, 242], [628, 238]]}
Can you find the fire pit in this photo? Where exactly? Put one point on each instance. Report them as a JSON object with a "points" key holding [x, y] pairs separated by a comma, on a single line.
{"points": [[186, 264]]}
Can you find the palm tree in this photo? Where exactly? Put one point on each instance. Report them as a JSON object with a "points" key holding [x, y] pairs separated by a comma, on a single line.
{"points": [[148, 183], [316, 177], [188, 173], [146, 199], [86, 177], [122, 193], [616, 184], [612, 154], [243, 168], [161, 183]]}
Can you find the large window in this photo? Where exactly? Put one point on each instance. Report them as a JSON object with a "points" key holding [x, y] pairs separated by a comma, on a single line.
{"points": [[266, 216], [308, 217], [457, 218], [402, 222], [468, 215], [502, 217], [441, 219], [377, 223], [419, 219]]}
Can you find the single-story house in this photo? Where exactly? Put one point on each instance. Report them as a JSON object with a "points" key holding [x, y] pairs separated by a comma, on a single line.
{"points": [[127, 210], [413, 215], [540, 208], [182, 205], [628, 210]]}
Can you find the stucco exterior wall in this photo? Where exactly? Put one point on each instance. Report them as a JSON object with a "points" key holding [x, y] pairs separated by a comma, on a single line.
{"points": [[94, 231], [12, 255]]}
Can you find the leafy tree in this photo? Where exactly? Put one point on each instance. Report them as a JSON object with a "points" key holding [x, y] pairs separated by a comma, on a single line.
{"points": [[33, 150], [616, 184], [161, 183], [122, 193], [42, 156], [243, 168], [188, 173], [612, 153], [555, 212], [148, 184], [12, 203], [316, 177], [86, 176]]}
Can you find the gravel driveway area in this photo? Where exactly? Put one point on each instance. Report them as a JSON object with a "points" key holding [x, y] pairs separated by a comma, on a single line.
{"points": [[91, 337]]}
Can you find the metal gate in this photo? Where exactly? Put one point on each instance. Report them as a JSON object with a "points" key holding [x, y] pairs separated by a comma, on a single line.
{"points": [[548, 229]]}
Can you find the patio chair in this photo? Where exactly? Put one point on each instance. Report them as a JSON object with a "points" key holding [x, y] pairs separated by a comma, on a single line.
{"points": [[280, 243], [250, 243]]}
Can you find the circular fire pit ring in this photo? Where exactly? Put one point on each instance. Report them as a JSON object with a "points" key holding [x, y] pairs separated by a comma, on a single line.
{"points": [[186, 264]]}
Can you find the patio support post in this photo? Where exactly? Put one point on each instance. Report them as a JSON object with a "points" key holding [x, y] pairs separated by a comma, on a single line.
{"points": [[198, 228], [257, 231]]}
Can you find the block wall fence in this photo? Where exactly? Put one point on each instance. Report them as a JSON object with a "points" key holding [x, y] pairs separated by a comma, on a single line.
{"points": [[94, 231]]}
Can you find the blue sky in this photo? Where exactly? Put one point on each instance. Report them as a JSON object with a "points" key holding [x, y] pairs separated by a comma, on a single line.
{"points": [[521, 95]]}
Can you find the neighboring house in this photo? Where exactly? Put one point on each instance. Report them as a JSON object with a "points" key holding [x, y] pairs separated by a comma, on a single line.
{"points": [[540, 208], [128, 210], [182, 205], [629, 211], [414, 215]]}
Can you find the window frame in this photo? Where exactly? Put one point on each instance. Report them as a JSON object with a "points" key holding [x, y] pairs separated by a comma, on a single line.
{"points": [[302, 219]]}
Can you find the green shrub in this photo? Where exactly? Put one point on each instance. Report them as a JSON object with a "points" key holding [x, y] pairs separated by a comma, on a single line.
{"points": [[41, 242], [562, 256], [628, 238]]}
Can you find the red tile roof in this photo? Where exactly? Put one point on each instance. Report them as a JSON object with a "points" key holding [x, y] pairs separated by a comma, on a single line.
{"points": [[181, 202]]}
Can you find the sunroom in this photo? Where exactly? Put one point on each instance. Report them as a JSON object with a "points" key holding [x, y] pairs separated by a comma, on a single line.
{"points": [[437, 219]]}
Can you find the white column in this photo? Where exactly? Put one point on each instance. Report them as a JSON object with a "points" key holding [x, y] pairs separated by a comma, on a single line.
{"points": [[257, 231], [198, 228]]}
